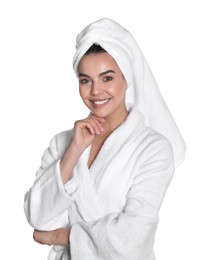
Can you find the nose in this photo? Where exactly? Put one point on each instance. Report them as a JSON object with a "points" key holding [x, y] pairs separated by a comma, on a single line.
{"points": [[96, 88]]}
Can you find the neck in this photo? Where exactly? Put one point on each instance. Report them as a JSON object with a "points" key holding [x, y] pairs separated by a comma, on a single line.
{"points": [[114, 120]]}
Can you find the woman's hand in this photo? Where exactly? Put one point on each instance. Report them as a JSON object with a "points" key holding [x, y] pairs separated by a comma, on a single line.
{"points": [[84, 133], [55, 237], [85, 130]]}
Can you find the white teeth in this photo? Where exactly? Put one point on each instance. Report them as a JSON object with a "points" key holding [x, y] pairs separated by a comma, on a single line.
{"points": [[101, 102]]}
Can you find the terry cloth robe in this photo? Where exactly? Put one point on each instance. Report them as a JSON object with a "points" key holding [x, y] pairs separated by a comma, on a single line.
{"points": [[112, 208]]}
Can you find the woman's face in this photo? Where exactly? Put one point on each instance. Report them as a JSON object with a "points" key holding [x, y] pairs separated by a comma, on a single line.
{"points": [[102, 85]]}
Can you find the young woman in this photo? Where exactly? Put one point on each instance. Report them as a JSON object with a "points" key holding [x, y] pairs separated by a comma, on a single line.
{"points": [[100, 186]]}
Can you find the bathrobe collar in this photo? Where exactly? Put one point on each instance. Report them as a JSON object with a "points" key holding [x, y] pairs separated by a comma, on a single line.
{"points": [[119, 136]]}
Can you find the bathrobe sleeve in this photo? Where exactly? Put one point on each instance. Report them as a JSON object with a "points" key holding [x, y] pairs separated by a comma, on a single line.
{"points": [[129, 234], [46, 203]]}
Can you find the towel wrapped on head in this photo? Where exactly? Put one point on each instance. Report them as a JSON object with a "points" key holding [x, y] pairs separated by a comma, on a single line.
{"points": [[143, 91]]}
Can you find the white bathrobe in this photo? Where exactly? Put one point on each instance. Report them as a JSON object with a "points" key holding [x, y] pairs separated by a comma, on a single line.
{"points": [[112, 208]]}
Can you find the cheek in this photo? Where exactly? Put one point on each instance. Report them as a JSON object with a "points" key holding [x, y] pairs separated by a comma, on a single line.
{"points": [[124, 87], [120, 89], [82, 92]]}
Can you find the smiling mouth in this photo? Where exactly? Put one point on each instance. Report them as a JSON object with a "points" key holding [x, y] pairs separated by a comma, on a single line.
{"points": [[100, 102]]}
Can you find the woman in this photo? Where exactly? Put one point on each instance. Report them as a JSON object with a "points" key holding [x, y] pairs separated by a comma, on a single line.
{"points": [[100, 186]]}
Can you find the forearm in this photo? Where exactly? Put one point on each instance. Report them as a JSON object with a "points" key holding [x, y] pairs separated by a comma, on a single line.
{"points": [[43, 207], [69, 161]]}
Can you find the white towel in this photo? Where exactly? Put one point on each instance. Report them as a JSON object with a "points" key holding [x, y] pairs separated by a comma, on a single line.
{"points": [[143, 91]]}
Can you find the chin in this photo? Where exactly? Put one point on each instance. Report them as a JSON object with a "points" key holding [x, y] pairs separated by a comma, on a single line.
{"points": [[100, 113]]}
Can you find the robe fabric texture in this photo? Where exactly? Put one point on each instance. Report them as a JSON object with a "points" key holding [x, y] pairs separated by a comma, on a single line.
{"points": [[112, 207]]}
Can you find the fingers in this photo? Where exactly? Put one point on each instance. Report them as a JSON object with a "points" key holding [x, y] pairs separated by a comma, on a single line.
{"points": [[54, 237], [44, 237], [36, 237], [97, 124], [93, 124]]}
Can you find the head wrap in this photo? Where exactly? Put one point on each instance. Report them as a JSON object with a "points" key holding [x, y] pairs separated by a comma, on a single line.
{"points": [[143, 91]]}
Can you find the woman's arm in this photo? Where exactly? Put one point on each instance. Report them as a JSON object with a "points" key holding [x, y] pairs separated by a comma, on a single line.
{"points": [[47, 202], [128, 234], [84, 133], [51, 238]]}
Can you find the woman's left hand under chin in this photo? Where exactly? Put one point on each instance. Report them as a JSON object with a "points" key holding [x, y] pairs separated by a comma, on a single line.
{"points": [[55, 237]]}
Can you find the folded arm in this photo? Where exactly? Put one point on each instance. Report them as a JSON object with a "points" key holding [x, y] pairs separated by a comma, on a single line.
{"points": [[46, 203]]}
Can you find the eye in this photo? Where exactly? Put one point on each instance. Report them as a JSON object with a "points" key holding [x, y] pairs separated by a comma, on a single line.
{"points": [[107, 78], [85, 81]]}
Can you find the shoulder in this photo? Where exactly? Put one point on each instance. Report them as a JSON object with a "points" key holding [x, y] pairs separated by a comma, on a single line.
{"points": [[61, 140], [155, 146], [148, 143], [64, 136]]}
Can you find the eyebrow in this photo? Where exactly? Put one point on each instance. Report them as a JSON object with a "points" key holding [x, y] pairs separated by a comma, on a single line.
{"points": [[101, 74]]}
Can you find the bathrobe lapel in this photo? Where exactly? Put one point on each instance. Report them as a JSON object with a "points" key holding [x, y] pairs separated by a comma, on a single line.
{"points": [[112, 146], [98, 184]]}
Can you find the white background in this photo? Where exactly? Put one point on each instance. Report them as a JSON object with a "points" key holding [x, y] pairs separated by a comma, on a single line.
{"points": [[39, 98]]}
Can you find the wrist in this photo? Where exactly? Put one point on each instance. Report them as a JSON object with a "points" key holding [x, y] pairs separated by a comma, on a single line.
{"points": [[76, 148], [69, 161]]}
